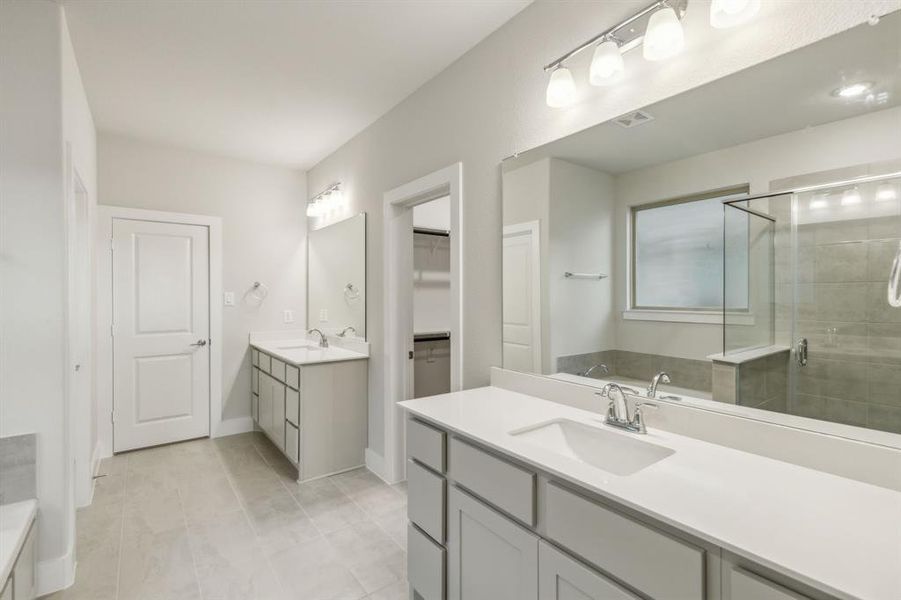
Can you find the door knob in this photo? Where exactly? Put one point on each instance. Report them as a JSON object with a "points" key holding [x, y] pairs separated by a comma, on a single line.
{"points": [[199, 343]]}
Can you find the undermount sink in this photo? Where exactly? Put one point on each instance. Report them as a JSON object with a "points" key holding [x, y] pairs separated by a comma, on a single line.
{"points": [[616, 453]]}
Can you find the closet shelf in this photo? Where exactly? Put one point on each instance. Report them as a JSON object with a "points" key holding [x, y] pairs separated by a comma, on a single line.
{"points": [[431, 336]]}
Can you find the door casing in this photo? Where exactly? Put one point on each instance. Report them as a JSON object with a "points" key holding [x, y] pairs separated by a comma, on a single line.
{"points": [[103, 299]]}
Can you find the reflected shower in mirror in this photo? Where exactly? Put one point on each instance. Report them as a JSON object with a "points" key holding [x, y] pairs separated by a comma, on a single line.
{"points": [[336, 277], [739, 237]]}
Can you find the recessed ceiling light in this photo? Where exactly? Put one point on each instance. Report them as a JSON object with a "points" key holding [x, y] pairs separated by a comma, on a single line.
{"points": [[853, 90]]}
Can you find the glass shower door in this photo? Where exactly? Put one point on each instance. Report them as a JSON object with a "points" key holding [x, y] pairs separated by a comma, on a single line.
{"points": [[845, 365]]}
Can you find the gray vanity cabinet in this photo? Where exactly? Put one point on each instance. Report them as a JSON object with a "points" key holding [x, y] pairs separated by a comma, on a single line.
{"points": [[561, 577], [489, 556], [317, 418]]}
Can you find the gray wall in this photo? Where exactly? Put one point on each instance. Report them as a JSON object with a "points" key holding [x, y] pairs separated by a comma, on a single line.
{"points": [[263, 234], [491, 103]]}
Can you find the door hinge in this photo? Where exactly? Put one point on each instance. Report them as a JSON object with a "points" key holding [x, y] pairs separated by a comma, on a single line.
{"points": [[111, 244], [111, 330], [112, 416]]}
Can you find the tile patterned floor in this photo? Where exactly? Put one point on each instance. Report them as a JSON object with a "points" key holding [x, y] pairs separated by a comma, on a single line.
{"points": [[224, 519]]}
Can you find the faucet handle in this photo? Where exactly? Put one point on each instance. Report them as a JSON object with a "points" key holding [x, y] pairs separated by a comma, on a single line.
{"points": [[638, 419]]}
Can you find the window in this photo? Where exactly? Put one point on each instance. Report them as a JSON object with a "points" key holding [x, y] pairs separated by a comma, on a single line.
{"points": [[677, 254]]}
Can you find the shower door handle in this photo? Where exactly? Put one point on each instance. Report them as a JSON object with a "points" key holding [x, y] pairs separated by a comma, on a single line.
{"points": [[801, 352]]}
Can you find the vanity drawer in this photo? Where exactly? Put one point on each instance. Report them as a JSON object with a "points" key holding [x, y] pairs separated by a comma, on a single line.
{"points": [[503, 484], [292, 437], [426, 493], [265, 363], [426, 444], [744, 585], [277, 368], [425, 565], [255, 408], [651, 561], [255, 380], [292, 406], [292, 376], [255, 357]]}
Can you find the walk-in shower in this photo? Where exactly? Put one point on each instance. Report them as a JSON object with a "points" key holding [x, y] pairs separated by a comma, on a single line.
{"points": [[820, 271]]}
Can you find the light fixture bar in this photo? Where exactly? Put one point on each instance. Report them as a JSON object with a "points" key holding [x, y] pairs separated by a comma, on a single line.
{"points": [[626, 33], [325, 192]]}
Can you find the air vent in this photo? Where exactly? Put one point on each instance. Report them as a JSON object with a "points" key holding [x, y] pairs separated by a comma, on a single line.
{"points": [[632, 119]]}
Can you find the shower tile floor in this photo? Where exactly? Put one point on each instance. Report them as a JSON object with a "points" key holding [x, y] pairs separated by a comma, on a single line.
{"points": [[225, 519]]}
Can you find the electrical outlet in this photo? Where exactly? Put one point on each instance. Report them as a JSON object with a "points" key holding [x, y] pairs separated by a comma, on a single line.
{"points": [[323, 315], [229, 298], [288, 316]]}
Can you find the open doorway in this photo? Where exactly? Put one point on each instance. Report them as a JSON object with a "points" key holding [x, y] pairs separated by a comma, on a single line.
{"points": [[399, 268], [431, 298]]}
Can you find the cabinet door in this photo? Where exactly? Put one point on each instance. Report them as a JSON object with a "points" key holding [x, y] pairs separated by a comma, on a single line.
{"points": [[278, 414], [265, 400], [24, 584], [489, 556], [563, 578]]}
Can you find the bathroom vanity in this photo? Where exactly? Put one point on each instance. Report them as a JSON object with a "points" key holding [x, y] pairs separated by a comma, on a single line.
{"points": [[311, 403], [515, 497]]}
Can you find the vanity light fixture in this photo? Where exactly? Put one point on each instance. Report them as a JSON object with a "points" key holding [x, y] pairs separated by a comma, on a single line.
{"points": [[853, 90], [886, 191], [657, 27], [819, 201], [664, 37], [731, 13], [851, 197], [607, 64], [561, 89], [326, 201]]}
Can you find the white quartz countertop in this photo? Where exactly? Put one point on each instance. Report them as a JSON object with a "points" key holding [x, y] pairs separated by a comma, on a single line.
{"points": [[838, 535], [15, 519], [302, 352]]}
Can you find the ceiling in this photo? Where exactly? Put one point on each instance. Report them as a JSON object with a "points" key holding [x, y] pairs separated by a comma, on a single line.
{"points": [[785, 94], [276, 81]]}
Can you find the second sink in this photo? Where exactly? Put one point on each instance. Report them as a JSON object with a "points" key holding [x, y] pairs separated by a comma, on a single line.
{"points": [[616, 453]]}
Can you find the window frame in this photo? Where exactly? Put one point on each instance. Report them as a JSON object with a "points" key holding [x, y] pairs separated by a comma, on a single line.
{"points": [[733, 190]]}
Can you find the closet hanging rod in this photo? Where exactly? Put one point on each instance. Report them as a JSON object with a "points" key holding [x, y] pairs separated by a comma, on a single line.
{"points": [[570, 275], [427, 231], [433, 336]]}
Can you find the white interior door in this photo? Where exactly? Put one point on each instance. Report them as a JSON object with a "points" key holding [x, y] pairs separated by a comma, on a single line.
{"points": [[161, 324], [522, 298]]}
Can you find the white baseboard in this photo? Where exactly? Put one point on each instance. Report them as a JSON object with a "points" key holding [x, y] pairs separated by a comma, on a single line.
{"points": [[375, 462], [56, 573], [233, 426]]}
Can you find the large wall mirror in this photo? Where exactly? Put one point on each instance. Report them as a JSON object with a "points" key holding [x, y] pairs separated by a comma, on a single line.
{"points": [[336, 277], [740, 237]]}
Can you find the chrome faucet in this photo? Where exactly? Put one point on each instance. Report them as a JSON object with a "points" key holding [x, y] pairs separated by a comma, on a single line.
{"points": [[618, 410], [600, 366], [661, 377], [323, 341], [346, 329]]}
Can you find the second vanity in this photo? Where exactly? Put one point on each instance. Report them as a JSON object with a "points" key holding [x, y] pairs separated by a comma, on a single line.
{"points": [[311, 402], [513, 496]]}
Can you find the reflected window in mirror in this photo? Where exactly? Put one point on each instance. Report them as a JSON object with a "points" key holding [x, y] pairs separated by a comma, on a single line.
{"points": [[677, 253]]}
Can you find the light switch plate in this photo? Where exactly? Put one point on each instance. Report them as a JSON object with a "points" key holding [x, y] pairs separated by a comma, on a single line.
{"points": [[229, 298], [288, 316], [323, 315]]}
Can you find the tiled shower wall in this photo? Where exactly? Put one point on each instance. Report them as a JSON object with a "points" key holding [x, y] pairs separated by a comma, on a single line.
{"points": [[854, 372], [18, 455], [853, 375]]}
